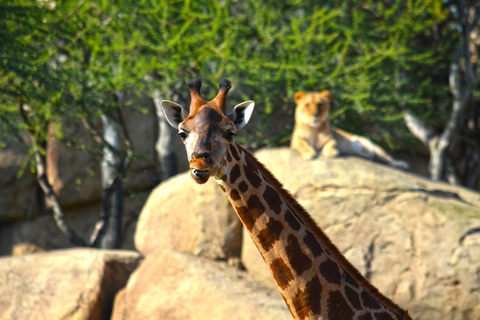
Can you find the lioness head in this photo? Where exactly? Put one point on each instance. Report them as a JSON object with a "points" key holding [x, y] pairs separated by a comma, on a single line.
{"points": [[312, 107]]}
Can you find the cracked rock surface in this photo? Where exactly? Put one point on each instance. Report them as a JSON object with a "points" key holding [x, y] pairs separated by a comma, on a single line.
{"points": [[63, 284], [417, 241]]}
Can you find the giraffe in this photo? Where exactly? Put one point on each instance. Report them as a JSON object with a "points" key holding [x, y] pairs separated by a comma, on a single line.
{"points": [[314, 278]]}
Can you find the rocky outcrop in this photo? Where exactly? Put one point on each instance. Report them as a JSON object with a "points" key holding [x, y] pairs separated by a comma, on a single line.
{"points": [[64, 284], [178, 286], [181, 215], [416, 240], [17, 192]]}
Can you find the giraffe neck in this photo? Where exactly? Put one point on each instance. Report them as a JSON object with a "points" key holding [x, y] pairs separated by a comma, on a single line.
{"points": [[314, 278]]}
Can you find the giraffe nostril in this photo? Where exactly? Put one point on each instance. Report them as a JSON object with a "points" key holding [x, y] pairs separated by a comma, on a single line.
{"points": [[201, 155], [204, 155]]}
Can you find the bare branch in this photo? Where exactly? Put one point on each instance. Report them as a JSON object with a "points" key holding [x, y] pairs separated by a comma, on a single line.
{"points": [[126, 137], [94, 133], [458, 105], [466, 29], [418, 128], [42, 180]]}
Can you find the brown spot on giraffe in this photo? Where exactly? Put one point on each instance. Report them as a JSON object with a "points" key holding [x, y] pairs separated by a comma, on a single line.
{"points": [[235, 174], [272, 197], [299, 261], [234, 195], [243, 187], [292, 220], [369, 300], [313, 244], [281, 272], [314, 298], [353, 297], [338, 308], [251, 212], [270, 234], [252, 174], [330, 271], [300, 303], [351, 281], [229, 156], [234, 153]]}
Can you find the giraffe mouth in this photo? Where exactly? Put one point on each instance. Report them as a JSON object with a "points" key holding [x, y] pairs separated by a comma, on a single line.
{"points": [[200, 176]]}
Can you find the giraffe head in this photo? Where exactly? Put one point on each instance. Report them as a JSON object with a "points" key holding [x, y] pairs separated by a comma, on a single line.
{"points": [[207, 130]]}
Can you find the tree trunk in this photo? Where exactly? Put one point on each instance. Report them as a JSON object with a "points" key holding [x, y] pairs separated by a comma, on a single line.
{"points": [[165, 144], [112, 199], [41, 167], [58, 214], [438, 144]]}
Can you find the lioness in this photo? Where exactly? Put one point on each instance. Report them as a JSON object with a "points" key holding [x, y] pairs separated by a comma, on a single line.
{"points": [[313, 135]]}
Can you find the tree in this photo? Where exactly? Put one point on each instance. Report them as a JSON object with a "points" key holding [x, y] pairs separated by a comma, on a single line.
{"points": [[62, 68], [30, 98], [455, 148], [64, 61]]}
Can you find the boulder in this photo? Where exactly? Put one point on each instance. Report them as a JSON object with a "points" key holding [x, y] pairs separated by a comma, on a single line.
{"points": [[17, 192], [63, 284], [179, 286], [417, 241], [184, 216]]}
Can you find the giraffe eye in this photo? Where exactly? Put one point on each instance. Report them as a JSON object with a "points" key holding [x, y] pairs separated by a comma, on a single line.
{"points": [[183, 135], [229, 135]]}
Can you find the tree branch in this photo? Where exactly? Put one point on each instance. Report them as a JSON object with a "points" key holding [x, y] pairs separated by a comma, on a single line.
{"points": [[418, 128], [459, 98], [42, 180]]}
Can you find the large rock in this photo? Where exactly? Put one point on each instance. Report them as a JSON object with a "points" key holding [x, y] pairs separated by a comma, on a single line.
{"points": [[64, 284], [416, 240], [17, 192], [181, 215], [178, 286]]}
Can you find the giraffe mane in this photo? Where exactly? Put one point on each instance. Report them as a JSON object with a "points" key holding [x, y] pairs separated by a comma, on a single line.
{"points": [[315, 229]]}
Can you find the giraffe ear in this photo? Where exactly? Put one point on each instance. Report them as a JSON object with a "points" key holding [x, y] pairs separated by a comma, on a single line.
{"points": [[242, 113], [173, 112]]}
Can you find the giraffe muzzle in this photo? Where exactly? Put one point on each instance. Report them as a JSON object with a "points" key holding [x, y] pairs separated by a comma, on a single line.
{"points": [[200, 176]]}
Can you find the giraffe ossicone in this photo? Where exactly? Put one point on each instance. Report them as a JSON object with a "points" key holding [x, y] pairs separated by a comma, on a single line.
{"points": [[314, 278]]}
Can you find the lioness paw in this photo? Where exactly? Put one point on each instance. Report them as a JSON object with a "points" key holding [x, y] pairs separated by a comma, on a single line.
{"points": [[309, 155], [330, 149]]}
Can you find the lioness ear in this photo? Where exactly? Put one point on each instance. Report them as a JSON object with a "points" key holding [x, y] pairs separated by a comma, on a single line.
{"points": [[242, 113], [328, 95], [298, 95], [173, 112]]}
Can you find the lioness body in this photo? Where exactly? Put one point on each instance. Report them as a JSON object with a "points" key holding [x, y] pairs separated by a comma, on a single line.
{"points": [[313, 135]]}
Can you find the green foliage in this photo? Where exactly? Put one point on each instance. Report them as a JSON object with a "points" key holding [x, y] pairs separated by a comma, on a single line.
{"points": [[66, 59]]}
